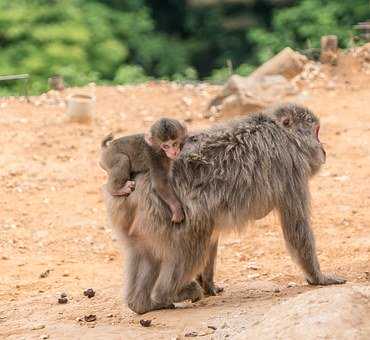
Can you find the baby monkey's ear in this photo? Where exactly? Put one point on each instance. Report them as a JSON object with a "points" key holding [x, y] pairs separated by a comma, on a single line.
{"points": [[148, 139], [286, 121]]}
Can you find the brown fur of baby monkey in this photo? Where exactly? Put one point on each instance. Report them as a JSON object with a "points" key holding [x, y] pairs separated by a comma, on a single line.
{"points": [[155, 152]]}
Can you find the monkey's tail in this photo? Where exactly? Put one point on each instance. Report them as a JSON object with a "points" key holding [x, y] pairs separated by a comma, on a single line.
{"points": [[106, 140]]}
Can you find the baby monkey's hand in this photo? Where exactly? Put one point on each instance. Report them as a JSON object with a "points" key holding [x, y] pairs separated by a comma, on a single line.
{"points": [[126, 190], [177, 215]]}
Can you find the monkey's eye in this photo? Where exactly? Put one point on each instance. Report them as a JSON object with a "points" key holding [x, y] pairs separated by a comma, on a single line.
{"points": [[175, 145], [309, 120], [165, 146]]}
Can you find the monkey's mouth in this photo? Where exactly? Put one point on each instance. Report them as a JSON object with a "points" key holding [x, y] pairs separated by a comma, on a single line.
{"points": [[324, 153], [317, 130]]}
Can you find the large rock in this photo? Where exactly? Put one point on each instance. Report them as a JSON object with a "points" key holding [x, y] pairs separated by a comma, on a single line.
{"points": [[242, 95], [336, 312], [287, 63], [266, 85]]}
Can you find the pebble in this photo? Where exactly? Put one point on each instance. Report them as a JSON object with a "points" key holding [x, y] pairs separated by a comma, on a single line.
{"points": [[90, 318], [224, 325], [45, 274], [291, 284], [89, 293], [252, 265], [145, 323], [37, 327], [63, 298], [191, 334]]}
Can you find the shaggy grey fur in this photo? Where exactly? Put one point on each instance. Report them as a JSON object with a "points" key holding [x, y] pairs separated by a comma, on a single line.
{"points": [[230, 174]]}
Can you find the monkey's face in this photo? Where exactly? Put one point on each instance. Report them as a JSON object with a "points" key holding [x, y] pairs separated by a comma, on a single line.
{"points": [[302, 121], [171, 148]]}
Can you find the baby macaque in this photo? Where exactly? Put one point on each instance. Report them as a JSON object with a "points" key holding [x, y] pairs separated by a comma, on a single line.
{"points": [[155, 152]]}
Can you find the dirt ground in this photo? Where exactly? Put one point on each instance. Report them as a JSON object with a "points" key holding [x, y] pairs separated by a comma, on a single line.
{"points": [[53, 218]]}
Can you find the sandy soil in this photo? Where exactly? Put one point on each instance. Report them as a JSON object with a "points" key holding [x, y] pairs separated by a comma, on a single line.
{"points": [[53, 218]]}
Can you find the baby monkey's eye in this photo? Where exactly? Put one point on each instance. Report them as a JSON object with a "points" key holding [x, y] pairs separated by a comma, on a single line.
{"points": [[165, 146], [309, 120], [175, 145]]}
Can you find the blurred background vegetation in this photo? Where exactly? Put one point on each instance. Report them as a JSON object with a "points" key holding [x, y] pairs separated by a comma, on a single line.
{"points": [[130, 41]]}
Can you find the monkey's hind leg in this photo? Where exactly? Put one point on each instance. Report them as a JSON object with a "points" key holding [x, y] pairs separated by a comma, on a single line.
{"points": [[119, 175], [206, 278], [192, 291], [142, 273], [168, 284]]}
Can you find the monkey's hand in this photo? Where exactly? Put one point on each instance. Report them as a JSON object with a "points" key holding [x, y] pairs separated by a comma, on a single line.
{"points": [[326, 280], [177, 215], [126, 190]]}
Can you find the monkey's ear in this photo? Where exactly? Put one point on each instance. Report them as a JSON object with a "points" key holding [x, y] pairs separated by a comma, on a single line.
{"points": [[148, 139]]}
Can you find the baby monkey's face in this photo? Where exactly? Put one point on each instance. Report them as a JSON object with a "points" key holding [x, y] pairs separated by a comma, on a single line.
{"points": [[172, 148]]}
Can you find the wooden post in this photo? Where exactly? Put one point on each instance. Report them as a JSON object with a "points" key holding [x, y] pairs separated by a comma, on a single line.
{"points": [[329, 49]]}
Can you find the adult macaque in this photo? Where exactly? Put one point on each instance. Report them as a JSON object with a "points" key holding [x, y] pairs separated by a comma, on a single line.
{"points": [[235, 173], [126, 156]]}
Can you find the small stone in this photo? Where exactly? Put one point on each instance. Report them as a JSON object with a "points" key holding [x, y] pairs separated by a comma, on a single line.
{"points": [[212, 327], [45, 336], [45, 274], [145, 323], [62, 300], [89, 293], [37, 327], [291, 284], [253, 276], [90, 318], [191, 334], [224, 325], [252, 265]]}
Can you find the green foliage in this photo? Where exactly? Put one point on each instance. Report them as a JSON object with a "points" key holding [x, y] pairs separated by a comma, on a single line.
{"points": [[301, 26], [85, 41], [130, 74], [115, 41]]}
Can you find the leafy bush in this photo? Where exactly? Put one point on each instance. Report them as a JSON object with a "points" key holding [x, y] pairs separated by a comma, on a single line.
{"points": [[301, 26], [130, 74], [112, 41]]}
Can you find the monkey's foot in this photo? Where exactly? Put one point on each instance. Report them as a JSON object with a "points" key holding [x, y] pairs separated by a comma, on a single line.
{"points": [[192, 291], [325, 280], [212, 290]]}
